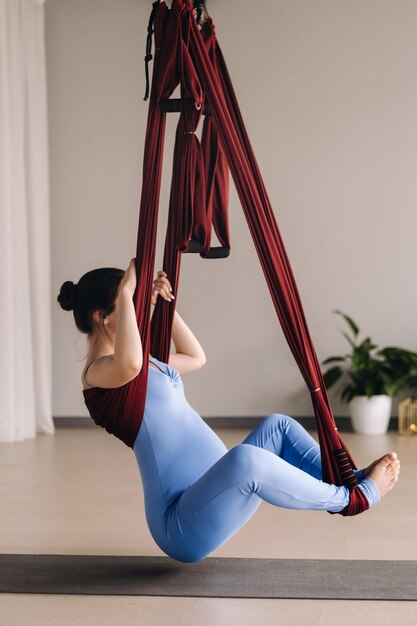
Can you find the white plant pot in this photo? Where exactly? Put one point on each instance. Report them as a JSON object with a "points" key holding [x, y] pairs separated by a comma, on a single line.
{"points": [[370, 416]]}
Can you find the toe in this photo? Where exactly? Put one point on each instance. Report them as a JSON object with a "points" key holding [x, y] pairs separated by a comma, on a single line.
{"points": [[390, 469]]}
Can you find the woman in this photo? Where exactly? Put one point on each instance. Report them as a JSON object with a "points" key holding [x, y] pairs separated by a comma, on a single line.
{"points": [[197, 492]]}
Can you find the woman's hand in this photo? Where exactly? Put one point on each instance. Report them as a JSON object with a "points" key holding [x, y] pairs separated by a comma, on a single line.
{"points": [[162, 286], [129, 279]]}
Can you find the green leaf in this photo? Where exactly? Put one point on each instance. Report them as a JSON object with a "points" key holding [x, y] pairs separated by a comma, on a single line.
{"points": [[367, 345], [369, 389], [334, 359], [332, 376], [349, 339], [393, 383], [412, 382], [360, 359], [392, 352], [353, 326], [348, 393]]}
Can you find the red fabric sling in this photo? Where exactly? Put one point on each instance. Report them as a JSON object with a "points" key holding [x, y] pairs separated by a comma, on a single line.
{"points": [[192, 58]]}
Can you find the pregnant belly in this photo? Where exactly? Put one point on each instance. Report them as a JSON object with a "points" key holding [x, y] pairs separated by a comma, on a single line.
{"points": [[184, 447]]}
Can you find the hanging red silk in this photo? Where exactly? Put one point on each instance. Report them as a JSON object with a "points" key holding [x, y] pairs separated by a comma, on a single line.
{"points": [[191, 58]]}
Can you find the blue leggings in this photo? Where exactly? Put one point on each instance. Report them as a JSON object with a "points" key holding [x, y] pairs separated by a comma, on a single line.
{"points": [[189, 516]]}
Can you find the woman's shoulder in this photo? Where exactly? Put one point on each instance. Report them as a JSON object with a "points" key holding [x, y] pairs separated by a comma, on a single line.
{"points": [[89, 360]]}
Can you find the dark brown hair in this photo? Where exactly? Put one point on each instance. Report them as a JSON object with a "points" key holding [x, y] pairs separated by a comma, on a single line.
{"points": [[96, 290]]}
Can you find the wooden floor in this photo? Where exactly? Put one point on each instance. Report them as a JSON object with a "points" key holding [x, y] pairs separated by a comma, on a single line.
{"points": [[79, 492]]}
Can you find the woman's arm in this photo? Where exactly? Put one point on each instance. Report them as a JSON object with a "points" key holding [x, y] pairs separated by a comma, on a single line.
{"points": [[189, 355], [127, 342], [117, 369]]}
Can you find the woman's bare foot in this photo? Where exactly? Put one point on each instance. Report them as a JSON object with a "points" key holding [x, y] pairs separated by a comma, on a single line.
{"points": [[384, 472], [392, 455]]}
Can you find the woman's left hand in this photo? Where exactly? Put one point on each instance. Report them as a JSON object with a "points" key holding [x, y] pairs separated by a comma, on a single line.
{"points": [[162, 286]]}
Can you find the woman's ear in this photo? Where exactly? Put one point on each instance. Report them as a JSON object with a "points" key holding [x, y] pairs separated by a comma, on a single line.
{"points": [[100, 318]]}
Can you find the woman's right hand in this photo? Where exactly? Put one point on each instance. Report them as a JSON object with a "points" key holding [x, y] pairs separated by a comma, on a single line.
{"points": [[129, 279]]}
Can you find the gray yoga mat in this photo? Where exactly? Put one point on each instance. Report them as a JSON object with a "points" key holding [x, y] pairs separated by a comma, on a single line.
{"points": [[212, 577]]}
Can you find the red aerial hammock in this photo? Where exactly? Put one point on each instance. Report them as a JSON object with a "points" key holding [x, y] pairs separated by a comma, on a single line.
{"points": [[190, 57]]}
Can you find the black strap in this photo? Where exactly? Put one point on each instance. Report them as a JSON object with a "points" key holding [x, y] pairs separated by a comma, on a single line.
{"points": [[174, 105], [148, 55], [345, 468], [215, 252]]}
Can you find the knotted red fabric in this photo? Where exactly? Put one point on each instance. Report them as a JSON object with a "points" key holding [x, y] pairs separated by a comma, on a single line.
{"points": [[191, 58]]}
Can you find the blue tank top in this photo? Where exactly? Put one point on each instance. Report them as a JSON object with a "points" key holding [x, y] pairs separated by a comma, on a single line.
{"points": [[173, 426]]}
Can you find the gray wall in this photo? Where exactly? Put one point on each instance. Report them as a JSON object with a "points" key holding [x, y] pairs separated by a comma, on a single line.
{"points": [[328, 92]]}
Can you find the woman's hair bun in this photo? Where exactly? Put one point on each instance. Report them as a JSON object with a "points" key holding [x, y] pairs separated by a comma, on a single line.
{"points": [[66, 296]]}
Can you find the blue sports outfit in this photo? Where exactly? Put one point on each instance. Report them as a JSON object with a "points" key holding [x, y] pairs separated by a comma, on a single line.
{"points": [[198, 493]]}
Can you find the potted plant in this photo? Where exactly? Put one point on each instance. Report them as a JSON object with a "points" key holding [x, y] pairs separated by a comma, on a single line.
{"points": [[372, 377]]}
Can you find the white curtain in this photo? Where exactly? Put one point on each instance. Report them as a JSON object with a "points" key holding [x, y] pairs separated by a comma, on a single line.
{"points": [[25, 297]]}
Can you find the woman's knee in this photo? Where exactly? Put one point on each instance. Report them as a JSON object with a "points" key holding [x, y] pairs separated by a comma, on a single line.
{"points": [[247, 458], [280, 420]]}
